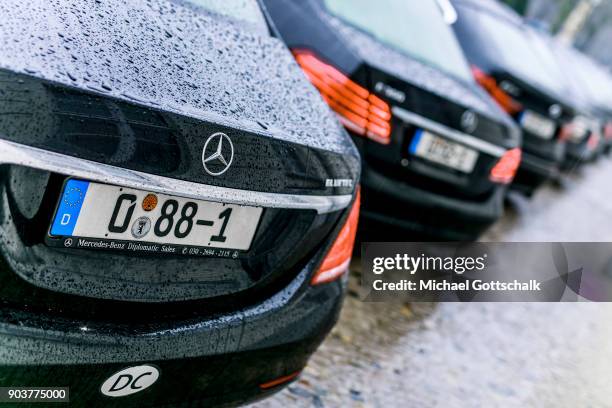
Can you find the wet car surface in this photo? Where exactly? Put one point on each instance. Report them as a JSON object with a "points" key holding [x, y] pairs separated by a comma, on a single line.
{"points": [[472, 355], [432, 141], [524, 80], [165, 204], [82, 108]]}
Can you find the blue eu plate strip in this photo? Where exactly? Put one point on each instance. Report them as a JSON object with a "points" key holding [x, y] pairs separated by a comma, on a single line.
{"points": [[69, 207], [415, 141]]}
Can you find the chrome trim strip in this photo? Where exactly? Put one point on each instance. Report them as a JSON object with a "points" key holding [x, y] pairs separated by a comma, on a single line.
{"points": [[445, 131], [23, 155]]}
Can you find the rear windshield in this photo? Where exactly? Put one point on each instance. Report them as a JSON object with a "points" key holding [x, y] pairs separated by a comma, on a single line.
{"points": [[524, 53], [543, 48], [596, 80], [244, 10], [414, 27]]}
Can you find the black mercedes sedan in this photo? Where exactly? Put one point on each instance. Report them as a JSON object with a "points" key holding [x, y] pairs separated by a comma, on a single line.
{"points": [[585, 136], [598, 81], [506, 61], [595, 83], [177, 204], [437, 151]]}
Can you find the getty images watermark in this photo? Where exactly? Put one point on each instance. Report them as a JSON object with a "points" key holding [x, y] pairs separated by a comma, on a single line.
{"points": [[429, 265], [477, 272]]}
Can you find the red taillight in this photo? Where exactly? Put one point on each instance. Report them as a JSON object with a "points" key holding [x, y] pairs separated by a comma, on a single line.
{"points": [[505, 169], [337, 260], [566, 132], [359, 110], [502, 98], [608, 131], [593, 141]]}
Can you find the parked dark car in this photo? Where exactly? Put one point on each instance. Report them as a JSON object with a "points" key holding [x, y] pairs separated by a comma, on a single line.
{"points": [[177, 204], [437, 151], [596, 84], [507, 63], [584, 135]]}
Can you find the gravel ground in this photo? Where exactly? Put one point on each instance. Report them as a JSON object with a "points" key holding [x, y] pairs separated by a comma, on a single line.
{"points": [[481, 354]]}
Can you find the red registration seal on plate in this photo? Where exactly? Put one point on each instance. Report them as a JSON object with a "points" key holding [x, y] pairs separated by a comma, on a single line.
{"points": [[149, 202]]}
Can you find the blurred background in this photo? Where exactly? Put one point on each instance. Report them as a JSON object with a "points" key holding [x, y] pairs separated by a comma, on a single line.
{"points": [[494, 355], [585, 24]]}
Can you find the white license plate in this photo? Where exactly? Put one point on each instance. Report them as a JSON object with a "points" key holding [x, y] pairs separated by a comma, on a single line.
{"points": [[106, 212], [537, 124], [440, 150]]}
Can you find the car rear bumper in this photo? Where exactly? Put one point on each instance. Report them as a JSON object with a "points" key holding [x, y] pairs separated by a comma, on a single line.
{"points": [[226, 380], [578, 153], [541, 160], [539, 166], [221, 360], [534, 171], [390, 203]]}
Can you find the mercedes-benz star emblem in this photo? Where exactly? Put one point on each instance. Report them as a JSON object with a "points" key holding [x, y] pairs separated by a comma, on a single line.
{"points": [[217, 154], [555, 110], [469, 121]]}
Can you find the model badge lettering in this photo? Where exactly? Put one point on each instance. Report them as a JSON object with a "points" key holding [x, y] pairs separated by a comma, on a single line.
{"points": [[338, 183], [129, 381], [510, 88], [390, 92]]}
